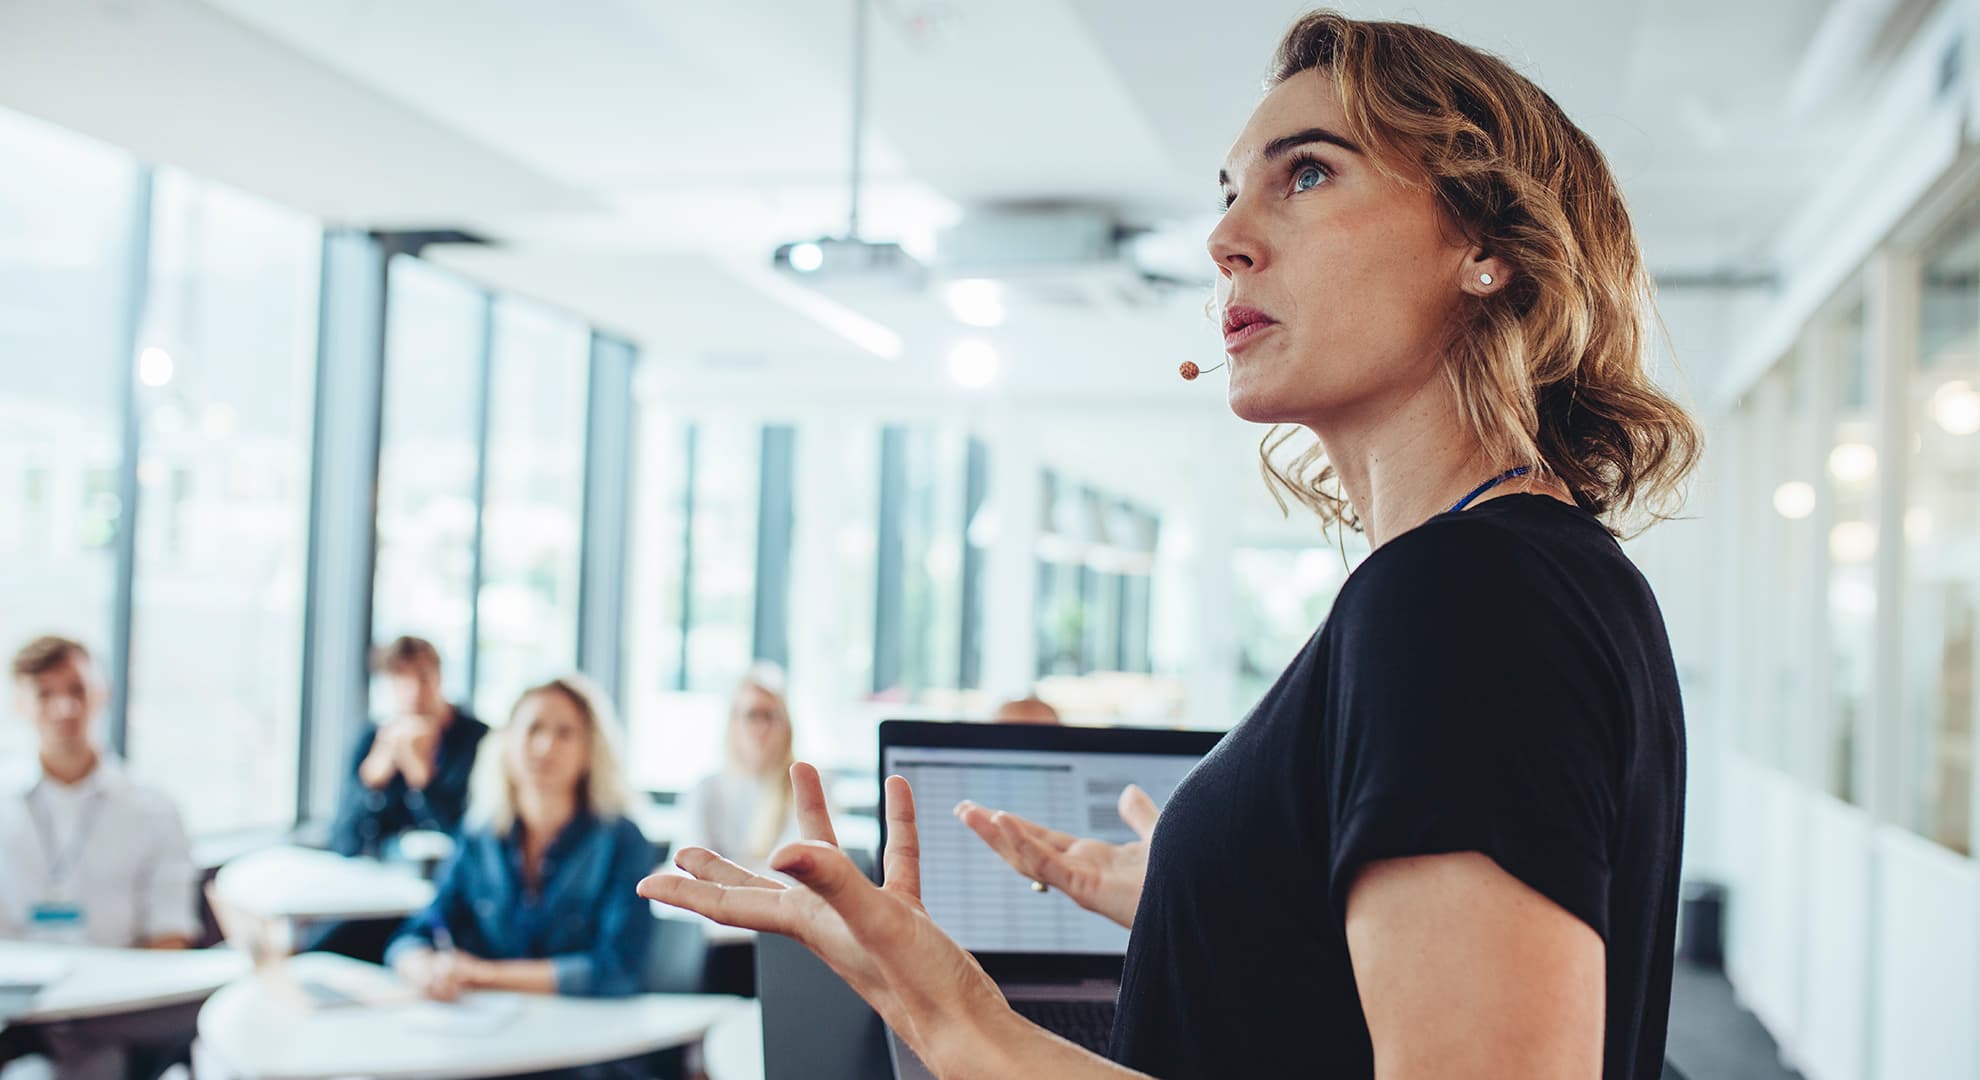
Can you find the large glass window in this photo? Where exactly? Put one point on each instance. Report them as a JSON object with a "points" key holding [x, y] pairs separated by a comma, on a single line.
{"points": [[1283, 594], [227, 376], [1941, 531], [533, 509], [931, 525], [428, 468], [66, 215], [727, 480], [1784, 457], [1852, 475], [692, 618]]}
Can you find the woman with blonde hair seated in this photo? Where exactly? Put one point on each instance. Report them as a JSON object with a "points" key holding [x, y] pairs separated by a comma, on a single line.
{"points": [[746, 807], [539, 897]]}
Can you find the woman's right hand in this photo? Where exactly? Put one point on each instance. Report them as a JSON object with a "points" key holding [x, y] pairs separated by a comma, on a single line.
{"points": [[1098, 876], [879, 939], [435, 974]]}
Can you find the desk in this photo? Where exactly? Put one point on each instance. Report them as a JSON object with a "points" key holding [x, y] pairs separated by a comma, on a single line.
{"points": [[733, 1049], [256, 1027], [301, 883], [95, 981]]}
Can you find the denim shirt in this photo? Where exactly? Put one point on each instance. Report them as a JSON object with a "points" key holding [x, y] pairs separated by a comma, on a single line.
{"points": [[584, 918], [369, 820]]}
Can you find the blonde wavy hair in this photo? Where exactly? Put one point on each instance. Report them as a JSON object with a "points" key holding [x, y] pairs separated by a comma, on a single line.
{"points": [[773, 810], [603, 791], [1553, 371]]}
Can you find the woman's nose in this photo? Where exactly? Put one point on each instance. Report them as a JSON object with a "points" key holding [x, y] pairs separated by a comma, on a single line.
{"points": [[1232, 244]]}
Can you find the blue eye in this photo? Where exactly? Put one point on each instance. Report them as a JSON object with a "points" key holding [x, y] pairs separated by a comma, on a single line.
{"points": [[1315, 173]]}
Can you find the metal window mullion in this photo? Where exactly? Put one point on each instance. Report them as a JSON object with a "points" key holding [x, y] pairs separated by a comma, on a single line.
{"points": [[137, 290], [770, 629], [976, 493], [690, 457], [484, 393], [341, 553], [605, 515], [889, 590]]}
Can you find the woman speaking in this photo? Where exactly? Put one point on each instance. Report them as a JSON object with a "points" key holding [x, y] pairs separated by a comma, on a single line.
{"points": [[1445, 844]]}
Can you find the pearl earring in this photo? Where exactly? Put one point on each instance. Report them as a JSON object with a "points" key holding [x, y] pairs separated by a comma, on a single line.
{"points": [[1484, 279]]}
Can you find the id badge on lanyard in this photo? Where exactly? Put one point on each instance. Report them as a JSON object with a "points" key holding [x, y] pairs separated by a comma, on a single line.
{"points": [[58, 916], [58, 922]]}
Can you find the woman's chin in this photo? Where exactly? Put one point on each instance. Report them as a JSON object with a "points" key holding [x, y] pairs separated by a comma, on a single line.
{"points": [[1256, 405]]}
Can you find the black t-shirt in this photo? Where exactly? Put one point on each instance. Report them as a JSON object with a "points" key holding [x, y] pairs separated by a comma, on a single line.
{"points": [[1498, 681]]}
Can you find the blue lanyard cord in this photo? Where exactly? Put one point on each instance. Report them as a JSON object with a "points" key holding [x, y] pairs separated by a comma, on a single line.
{"points": [[62, 862], [1487, 486]]}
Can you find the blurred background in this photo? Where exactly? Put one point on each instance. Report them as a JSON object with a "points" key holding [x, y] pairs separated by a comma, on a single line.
{"points": [[653, 338]]}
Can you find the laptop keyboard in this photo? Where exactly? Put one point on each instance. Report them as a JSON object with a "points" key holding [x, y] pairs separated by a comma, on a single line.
{"points": [[1087, 1023]]}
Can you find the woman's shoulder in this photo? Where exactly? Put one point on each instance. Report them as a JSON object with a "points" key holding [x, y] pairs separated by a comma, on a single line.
{"points": [[1484, 558], [1445, 547], [620, 831]]}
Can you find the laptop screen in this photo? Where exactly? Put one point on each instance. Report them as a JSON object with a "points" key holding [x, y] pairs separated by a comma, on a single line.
{"points": [[1069, 779]]}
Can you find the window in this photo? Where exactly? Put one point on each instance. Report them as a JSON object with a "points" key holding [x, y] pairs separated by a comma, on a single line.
{"points": [[721, 564], [429, 462], [66, 217], [1283, 594], [1941, 527], [1851, 473], [927, 569], [1789, 404], [227, 378], [533, 508], [693, 565]]}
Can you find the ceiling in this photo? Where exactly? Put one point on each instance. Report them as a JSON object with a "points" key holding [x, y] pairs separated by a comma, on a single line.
{"points": [[636, 160]]}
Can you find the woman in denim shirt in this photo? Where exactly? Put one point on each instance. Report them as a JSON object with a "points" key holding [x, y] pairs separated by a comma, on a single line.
{"points": [[539, 897]]}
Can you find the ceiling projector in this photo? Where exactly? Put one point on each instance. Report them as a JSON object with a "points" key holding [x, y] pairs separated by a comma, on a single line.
{"points": [[847, 257]]}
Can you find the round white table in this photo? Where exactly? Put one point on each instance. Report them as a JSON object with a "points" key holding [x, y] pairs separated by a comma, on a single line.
{"points": [[303, 883], [262, 1027], [80, 982], [733, 1049]]}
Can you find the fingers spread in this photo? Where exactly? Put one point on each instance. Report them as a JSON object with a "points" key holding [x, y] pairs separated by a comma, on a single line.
{"points": [[984, 824], [732, 905], [1139, 811], [1051, 838], [708, 866], [808, 796], [826, 871], [902, 859], [1036, 859]]}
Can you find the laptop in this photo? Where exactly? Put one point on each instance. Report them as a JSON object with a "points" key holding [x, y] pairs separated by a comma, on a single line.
{"points": [[1057, 963]]}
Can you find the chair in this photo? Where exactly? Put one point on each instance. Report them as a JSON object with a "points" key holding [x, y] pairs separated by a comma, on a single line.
{"points": [[676, 958]]}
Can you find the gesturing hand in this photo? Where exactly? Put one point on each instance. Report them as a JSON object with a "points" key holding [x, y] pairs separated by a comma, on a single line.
{"points": [[1100, 877], [878, 938]]}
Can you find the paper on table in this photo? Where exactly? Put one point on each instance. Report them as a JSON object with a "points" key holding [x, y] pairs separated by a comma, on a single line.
{"points": [[473, 1014]]}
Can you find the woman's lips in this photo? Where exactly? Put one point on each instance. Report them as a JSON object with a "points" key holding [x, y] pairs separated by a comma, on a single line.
{"points": [[1243, 336], [1242, 324]]}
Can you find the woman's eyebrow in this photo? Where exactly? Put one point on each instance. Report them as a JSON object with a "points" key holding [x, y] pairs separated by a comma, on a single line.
{"points": [[1284, 144]]}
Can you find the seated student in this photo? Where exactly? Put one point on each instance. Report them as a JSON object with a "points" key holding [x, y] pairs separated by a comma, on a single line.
{"points": [[90, 857], [411, 771], [1030, 709], [539, 894], [747, 805]]}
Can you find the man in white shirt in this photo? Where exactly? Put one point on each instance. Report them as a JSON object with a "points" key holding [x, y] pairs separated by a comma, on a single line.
{"points": [[92, 857]]}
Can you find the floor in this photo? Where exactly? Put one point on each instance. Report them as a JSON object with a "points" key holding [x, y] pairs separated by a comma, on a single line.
{"points": [[1712, 1038]]}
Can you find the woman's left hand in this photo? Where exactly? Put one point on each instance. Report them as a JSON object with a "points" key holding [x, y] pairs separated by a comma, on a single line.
{"points": [[879, 939]]}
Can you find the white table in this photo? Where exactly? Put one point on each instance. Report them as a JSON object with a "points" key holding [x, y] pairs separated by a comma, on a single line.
{"points": [[733, 1049], [260, 1027], [87, 981], [303, 883]]}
